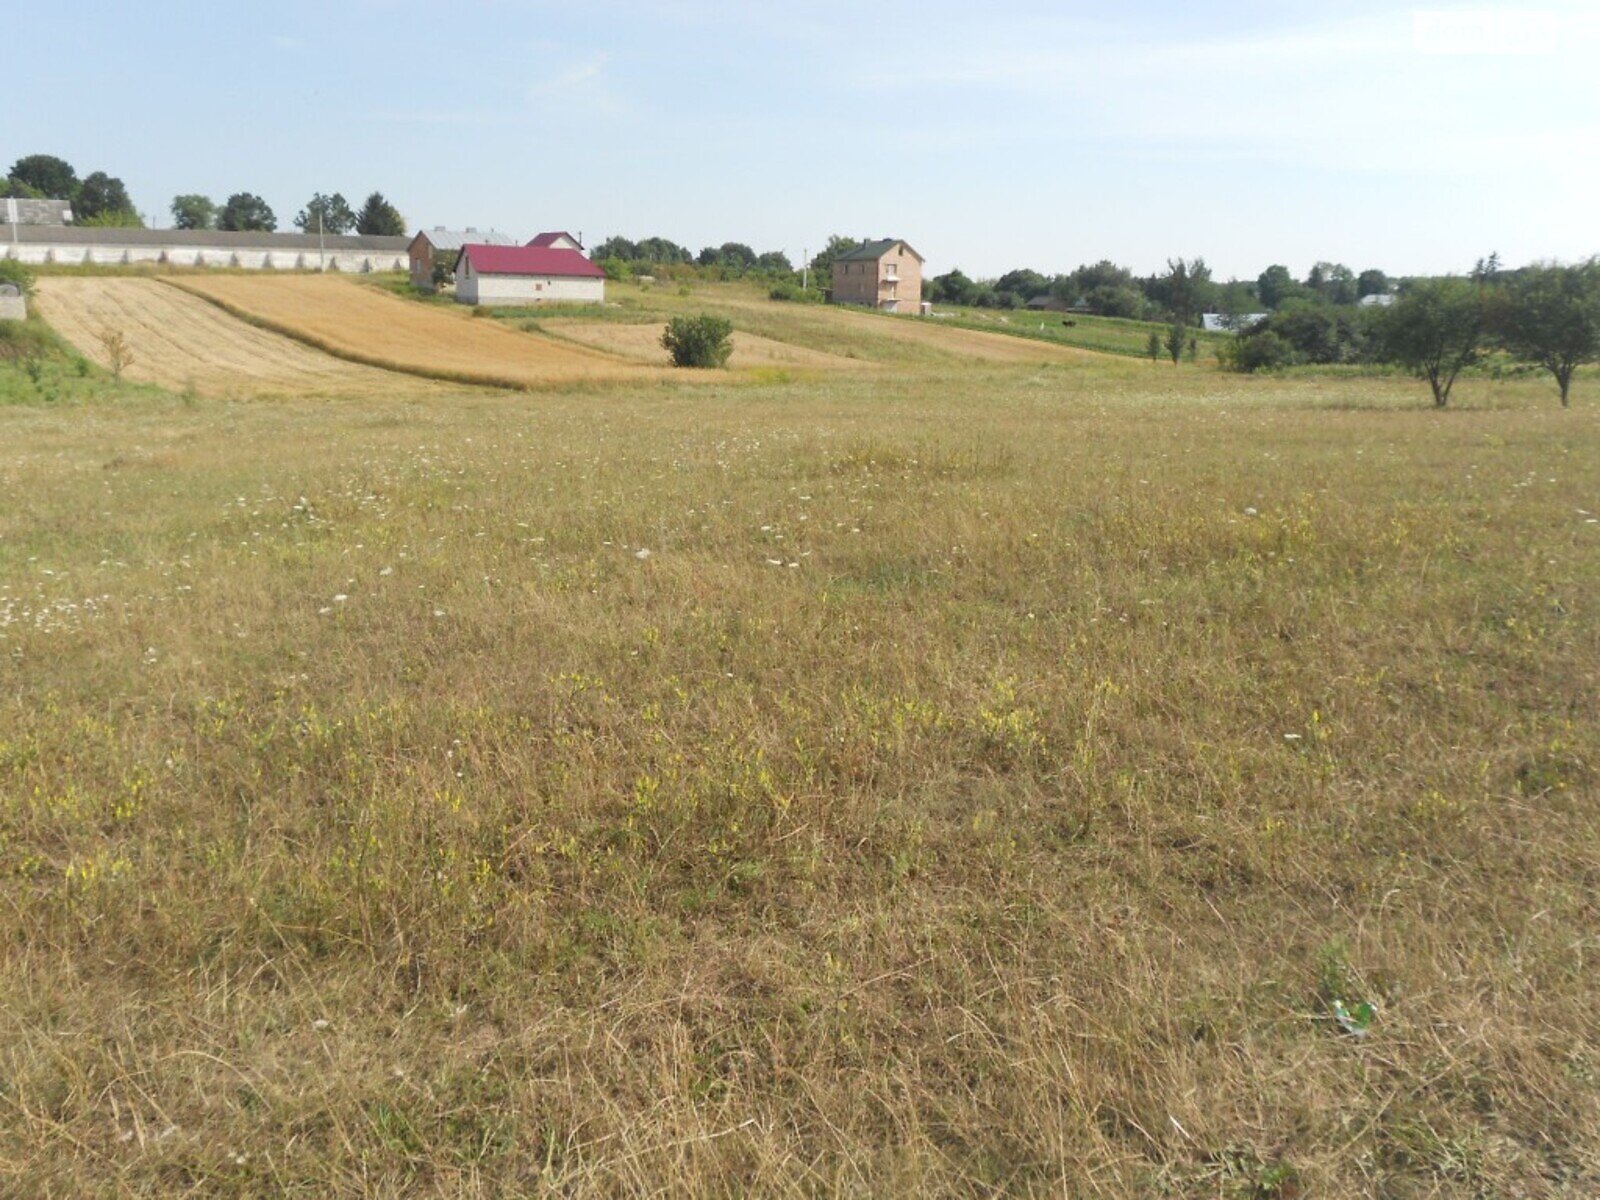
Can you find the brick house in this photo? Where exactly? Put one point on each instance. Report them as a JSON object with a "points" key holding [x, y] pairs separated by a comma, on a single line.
{"points": [[885, 274], [439, 244]]}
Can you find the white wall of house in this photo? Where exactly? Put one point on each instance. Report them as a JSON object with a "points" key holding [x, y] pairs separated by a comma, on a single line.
{"points": [[250, 258], [474, 288]]}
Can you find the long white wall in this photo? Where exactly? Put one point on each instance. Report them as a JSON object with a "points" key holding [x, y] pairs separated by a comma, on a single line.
{"points": [[253, 259], [527, 289]]}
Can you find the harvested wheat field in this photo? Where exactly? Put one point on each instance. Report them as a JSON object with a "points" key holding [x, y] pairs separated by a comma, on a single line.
{"points": [[180, 341], [370, 326], [643, 342]]}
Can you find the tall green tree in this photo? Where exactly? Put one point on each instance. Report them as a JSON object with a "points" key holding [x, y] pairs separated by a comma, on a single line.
{"points": [[1186, 290], [379, 218], [247, 213], [333, 210], [954, 287], [1371, 282], [1275, 285], [1332, 282], [822, 261], [194, 211], [1550, 314], [102, 197], [47, 175], [1435, 329]]}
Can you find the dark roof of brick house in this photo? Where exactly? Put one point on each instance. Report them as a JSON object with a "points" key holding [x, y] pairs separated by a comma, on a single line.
{"points": [[873, 251]]}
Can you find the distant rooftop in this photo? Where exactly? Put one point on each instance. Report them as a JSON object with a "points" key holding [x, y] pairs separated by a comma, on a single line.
{"points": [[873, 251], [441, 238], [35, 212]]}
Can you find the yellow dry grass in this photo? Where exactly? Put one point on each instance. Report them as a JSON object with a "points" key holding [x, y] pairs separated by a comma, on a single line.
{"points": [[181, 342], [643, 342], [850, 325], [977, 783], [370, 326], [968, 343]]}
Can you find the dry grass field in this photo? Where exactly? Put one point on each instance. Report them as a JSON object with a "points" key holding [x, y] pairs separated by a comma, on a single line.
{"points": [[643, 342], [367, 325], [972, 781], [182, 342], [905, 342]]}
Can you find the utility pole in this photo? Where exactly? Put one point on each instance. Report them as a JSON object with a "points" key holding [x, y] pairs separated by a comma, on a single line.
{"points": [[805, 268], [322, 249]]}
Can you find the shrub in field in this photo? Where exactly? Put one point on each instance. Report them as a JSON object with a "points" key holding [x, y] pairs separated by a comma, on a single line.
{"points": [[790, 292], [1263, 351], [119, 355], [703, 341]]}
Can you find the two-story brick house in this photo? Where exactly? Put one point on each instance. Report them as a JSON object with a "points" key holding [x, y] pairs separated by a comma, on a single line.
{"points": [[885, 274]]}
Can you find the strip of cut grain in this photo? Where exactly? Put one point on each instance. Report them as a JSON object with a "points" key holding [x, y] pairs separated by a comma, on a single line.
{"points": [[179, 341], [367, 325]]}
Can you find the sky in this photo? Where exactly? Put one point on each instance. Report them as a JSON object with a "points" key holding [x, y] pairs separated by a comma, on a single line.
{"points": [[1029, 133]]}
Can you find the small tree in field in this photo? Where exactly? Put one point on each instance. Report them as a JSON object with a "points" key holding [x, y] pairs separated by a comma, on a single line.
{"points": [[119, 355], [1434, 330], [703, 341], [1177, 338], [1550, 315], [1153, 346]]}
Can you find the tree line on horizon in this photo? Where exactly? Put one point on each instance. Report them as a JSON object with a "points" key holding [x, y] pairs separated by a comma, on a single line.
{"points": [[99, 199], [1544, 316]]}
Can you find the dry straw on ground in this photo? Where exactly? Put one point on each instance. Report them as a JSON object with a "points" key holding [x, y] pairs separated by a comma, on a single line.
{"points": [[367, 325], [986, 784], [177, 340]]}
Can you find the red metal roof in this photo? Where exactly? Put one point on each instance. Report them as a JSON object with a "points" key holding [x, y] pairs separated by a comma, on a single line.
{"points": [[548, 239], [529, 260]]}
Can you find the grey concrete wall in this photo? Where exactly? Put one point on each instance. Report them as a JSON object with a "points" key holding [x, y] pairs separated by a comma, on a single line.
{"points": [[249, 258], [13, 308]]}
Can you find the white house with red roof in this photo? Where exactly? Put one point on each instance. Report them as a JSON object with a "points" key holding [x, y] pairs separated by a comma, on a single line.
{"points": [[548, 269]]}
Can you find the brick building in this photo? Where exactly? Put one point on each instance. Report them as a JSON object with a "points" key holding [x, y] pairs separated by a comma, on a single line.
{"points": [[885, 274]]}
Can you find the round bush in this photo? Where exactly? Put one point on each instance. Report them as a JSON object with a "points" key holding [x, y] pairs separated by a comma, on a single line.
{"points": [[703, 341]]}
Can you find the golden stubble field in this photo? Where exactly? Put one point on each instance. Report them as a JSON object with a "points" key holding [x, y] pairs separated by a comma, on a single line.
{"points": [[183, 342], [362, 323], [967, 783]]}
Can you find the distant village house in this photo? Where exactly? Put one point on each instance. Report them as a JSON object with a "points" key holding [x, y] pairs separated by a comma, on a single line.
{"points": [[436, 246], [548, 269], [885, 274]]}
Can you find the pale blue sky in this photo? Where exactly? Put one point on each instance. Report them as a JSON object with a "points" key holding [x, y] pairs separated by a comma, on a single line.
{"points": [[991, 136]]}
